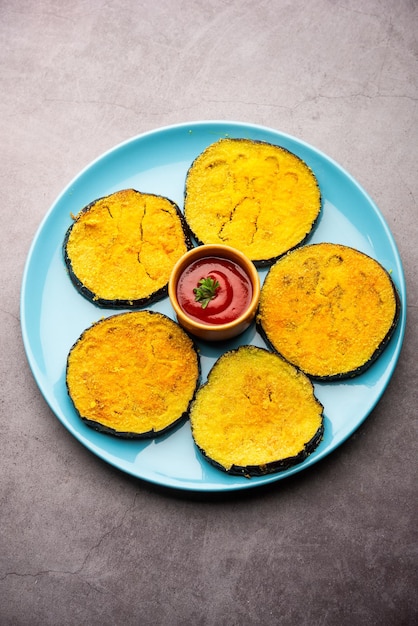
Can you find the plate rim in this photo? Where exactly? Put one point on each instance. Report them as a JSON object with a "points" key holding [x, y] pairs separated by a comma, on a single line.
{"points": [[189, 126]]}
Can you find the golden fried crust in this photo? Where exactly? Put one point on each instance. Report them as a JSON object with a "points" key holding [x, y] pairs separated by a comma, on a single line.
{"points": [[328, 309], [256, 414], [121, 249], [251, 195], [133, 374]]}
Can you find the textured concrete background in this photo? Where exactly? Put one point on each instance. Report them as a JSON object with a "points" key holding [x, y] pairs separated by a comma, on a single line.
{"points": [[82, 543]]}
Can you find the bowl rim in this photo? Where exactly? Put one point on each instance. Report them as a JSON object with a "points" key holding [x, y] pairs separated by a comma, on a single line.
{"points": [[214, 249]]}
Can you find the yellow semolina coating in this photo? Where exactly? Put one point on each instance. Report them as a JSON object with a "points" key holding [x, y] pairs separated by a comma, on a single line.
{"points": [[133, 374], [124, 246], [256, 413], [251, 195], [328, 309]]}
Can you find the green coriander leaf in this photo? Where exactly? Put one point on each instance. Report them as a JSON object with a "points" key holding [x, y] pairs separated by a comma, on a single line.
{"points": [[206, 290]]}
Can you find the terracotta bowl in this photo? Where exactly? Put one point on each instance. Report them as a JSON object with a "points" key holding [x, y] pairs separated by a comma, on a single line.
{"points": [[218, 332]]}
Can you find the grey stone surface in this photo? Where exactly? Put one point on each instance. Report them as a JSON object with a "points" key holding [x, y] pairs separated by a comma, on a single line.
{"points": [[81, 542]]}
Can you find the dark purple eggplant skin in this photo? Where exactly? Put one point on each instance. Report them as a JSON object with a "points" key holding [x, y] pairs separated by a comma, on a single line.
{"points": [[159, 294], [359, 370], [261, 263], [151, 434]]}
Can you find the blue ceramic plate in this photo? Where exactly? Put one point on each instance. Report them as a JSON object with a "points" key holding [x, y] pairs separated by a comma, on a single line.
{"points": [[53, 314]]}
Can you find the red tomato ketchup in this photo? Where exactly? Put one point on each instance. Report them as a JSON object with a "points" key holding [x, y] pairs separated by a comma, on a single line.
{"points": [[231, 298]]}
